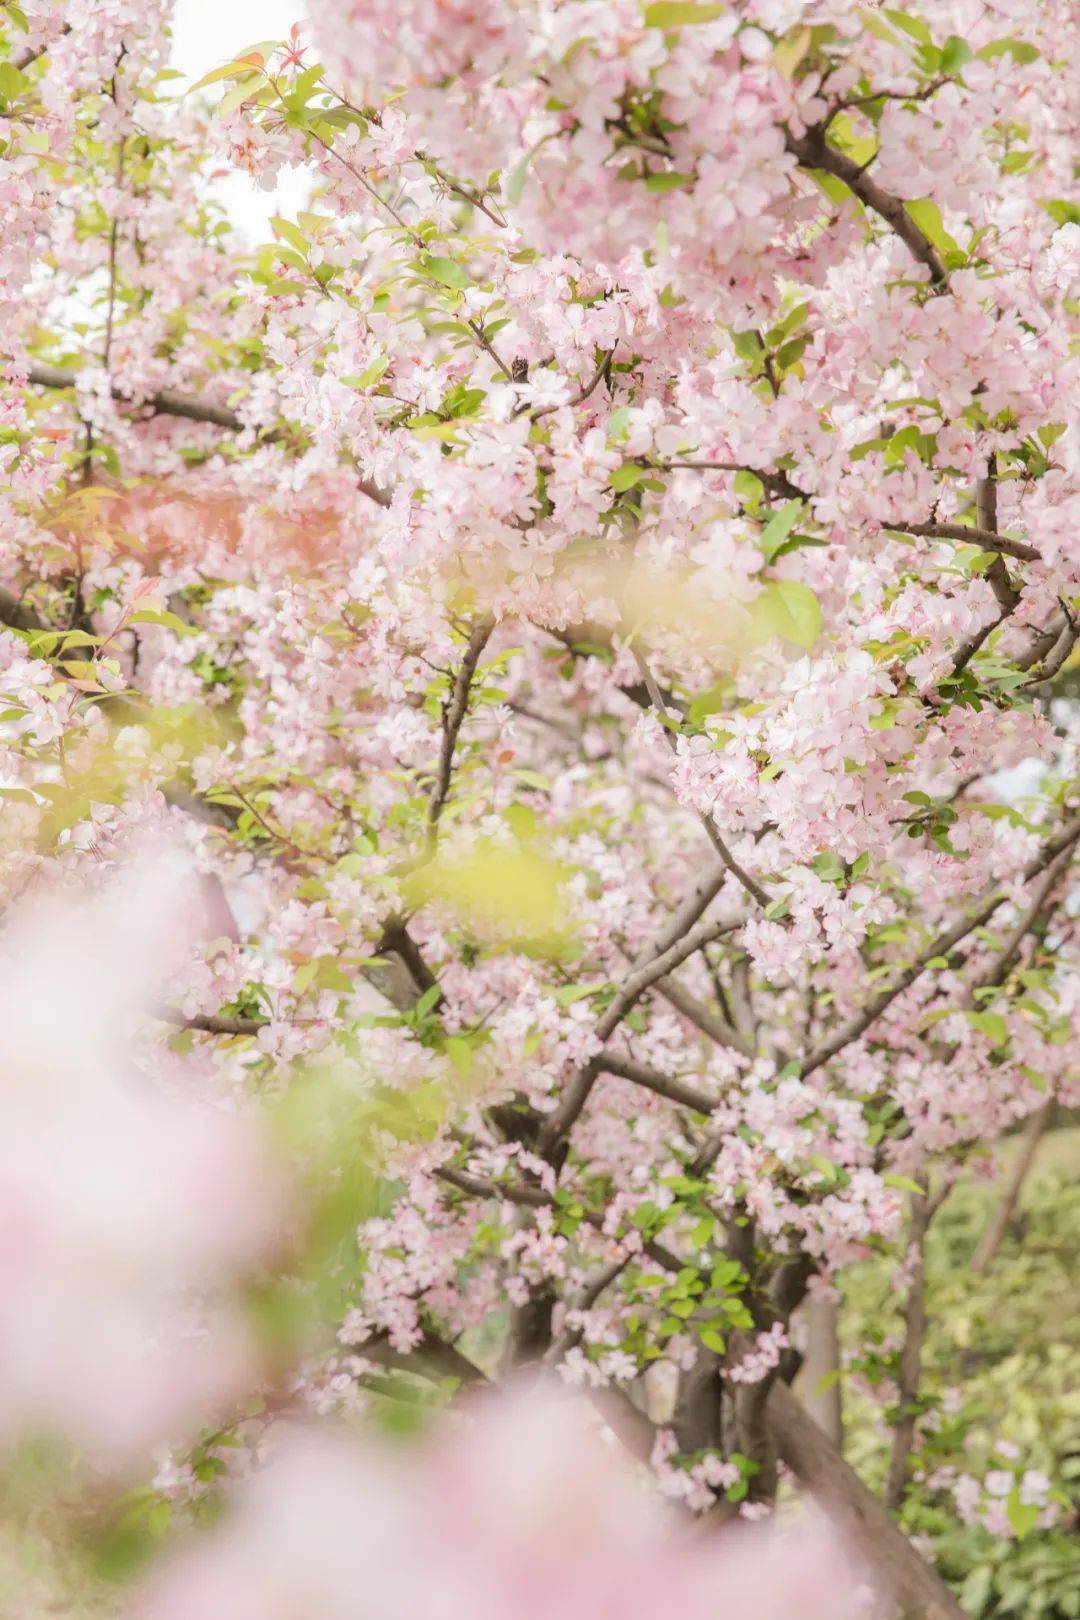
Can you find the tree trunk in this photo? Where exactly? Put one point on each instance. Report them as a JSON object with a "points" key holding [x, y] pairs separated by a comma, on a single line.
{"points": [[998, 1224], [822, 1360], [911, 1355], [893, 1564]]}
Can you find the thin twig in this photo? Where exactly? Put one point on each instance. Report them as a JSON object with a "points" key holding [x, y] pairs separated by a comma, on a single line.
{"points": [[583, 394]]}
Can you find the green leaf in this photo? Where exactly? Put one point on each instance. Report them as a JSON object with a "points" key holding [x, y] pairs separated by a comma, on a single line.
{"points": [[903, 1184], [1061, 211], [680, 14], [778, 528], [238, 68], [789, 353], [977, 1589], [290, 233], [911, 25], [522, 821], [927, 216], [567, 994], [955, 52], [446, 271], [1018, 49], [370, 374], [627, 476], [835, 189], [708, 702], [12, 82], [157, 1519], [460, 1054], [670, 181], [171, 621], [427, 1001], [788, 610], [245, 90], [990, 1024], [1023, 1516], [749, 488], [618, 422], [790, 51], [712, 1340], [828, 866]]}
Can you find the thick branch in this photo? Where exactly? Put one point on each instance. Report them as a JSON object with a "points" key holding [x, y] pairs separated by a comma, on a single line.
{"points": [[1056, 657], [821, 1367], [163, 403], [432, 1355], [17, 615], [897, 1568], [211, 1024]]}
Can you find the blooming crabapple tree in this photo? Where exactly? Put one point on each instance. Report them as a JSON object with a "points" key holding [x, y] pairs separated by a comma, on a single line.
{"points": [[575, 591]]}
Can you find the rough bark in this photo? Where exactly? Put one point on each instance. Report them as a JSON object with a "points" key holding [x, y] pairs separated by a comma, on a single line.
{"points": [[898, 1571]]}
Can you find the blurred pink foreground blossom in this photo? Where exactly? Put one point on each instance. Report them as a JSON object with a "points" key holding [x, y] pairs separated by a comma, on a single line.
{"points": [[514, 1512], [128, 1207]]}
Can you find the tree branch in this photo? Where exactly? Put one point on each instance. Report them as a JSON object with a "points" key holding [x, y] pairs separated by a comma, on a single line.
{"points": [[998, 1225], [583, 393], [703, 1017], [985, 539], [190, 408], [536, 1198], [25, 58], [897, 1567], [814, 152], [777, 483], [738, 872], [211, 1024], [860, 1022], [668, 1086], [453, 717], [911, 1354], [679, 940]]}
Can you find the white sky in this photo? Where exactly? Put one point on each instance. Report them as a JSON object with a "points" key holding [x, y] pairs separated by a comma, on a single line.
{"points": [[209, 32]]}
